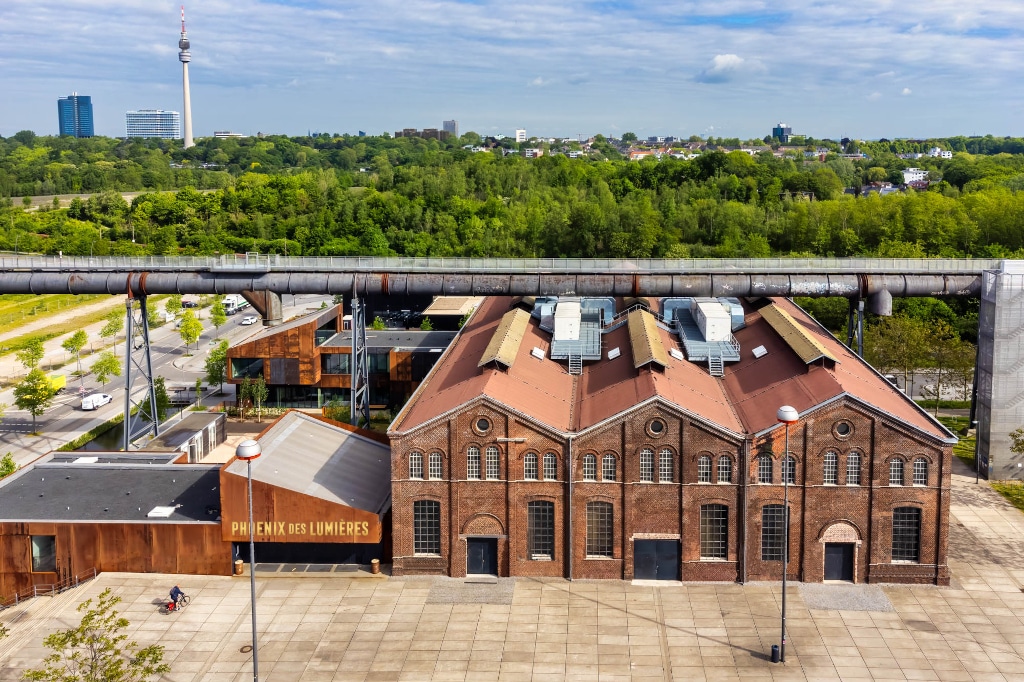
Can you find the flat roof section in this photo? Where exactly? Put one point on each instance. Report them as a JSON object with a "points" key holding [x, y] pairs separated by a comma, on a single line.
{"points": [[410, 339], [453, 305], [111, 492]]}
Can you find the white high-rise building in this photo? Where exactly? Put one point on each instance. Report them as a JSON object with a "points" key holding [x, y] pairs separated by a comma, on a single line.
{"points": [[184, 56], [153, 123], [520, 135]]}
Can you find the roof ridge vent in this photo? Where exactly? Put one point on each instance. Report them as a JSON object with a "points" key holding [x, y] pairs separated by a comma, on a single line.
{"points": [[504, 343], [801, 341], [644, 339]]}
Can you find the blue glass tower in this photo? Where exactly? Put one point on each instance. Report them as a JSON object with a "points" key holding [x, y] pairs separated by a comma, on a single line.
{"points": [[74, 115]]}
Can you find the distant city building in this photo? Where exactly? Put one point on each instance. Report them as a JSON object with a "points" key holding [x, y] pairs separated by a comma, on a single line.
{"points": [[533, 153], [914, 175], [74, 115], [520, 135], [426, 133], [782, 133], [450, 127], [224, 134], [153, 123], [936, 152]]}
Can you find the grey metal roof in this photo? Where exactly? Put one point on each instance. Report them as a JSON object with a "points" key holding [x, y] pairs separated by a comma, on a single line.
{"points": [[172, 438], [111, 492], [412, 339], [111, 457], [314, 458]]}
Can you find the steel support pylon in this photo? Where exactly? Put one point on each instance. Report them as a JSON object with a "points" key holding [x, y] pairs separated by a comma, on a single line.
{"points": [[138, 364], [360, 391], [855, 327]]}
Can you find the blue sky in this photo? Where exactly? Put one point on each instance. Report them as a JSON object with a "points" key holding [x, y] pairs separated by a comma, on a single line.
{"points": [[877, 68]]}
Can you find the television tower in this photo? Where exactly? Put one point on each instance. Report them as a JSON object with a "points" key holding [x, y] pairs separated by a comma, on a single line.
{"points": [[184, 56]]}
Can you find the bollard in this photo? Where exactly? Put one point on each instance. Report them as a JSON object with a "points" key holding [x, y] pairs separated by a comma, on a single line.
{"points": [[375, 566], [775, 653], [238, 566]]}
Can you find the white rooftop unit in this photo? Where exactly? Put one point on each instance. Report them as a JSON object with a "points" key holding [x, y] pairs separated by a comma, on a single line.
{"points": [[567, 320], [713, 319]]}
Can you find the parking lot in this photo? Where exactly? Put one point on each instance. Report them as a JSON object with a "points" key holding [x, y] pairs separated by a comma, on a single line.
{"points": [[367, 628]]}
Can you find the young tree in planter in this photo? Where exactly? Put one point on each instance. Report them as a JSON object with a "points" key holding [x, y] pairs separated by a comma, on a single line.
{"points": [[114, 325], [74, 345], [31, 354], [163, 401], [217, 365], [259, 393], [106, 366], [34, 394], [244, 396], [173, 305], [98, 650], [7, 465]]}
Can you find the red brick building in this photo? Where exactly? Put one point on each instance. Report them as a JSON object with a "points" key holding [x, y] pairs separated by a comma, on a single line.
{"points": [[527, 453]]}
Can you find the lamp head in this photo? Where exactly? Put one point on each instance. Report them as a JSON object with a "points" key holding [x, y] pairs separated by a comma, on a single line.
{"points": [[248, 450], [787, 415]]}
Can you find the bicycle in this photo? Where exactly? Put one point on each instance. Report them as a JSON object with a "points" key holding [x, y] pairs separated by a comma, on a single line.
{"points": [[183, 601]]}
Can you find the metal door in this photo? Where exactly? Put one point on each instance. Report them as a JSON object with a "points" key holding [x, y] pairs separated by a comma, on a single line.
{"points": [[482, 556], [656, 559], [839, 561]]}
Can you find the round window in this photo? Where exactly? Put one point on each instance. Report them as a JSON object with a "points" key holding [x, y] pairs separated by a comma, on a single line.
{"points": [[656, 427], [843, 429], [483, 425]]}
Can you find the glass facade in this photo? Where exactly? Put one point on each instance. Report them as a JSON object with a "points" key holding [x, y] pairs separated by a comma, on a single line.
{"points": [[74, 115], [153, 123]]}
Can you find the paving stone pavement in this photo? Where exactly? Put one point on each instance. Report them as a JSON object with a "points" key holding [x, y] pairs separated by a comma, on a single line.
{"points": [[339, 628]]}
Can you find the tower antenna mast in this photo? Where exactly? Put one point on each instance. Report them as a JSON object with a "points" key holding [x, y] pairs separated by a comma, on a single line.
{"points": [[184, 56]]}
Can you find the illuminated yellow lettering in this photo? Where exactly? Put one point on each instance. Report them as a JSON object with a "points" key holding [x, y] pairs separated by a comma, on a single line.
{"points": [[234, 527], [366, 528]]}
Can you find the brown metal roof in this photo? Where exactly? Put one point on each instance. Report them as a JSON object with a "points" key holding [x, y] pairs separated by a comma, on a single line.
{"points": [[644, 339], [505, 342], [803, 343]]}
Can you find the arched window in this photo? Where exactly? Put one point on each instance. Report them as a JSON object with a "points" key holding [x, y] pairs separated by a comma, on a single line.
{"points": [[493, 462], [764, 469], [725, 469], [530, 466], [666, 466], [415, 465], [435, 470], [853, 468], [789, 469], [473, 462], [426, 527], [550, 467], [600, 529], [830, 468], [608, 468], [704, 469], [896, 472], [647, 465], [920, 471], [589, 468]]}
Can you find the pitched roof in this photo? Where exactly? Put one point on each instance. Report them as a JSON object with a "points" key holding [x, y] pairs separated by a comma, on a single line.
{"points": [[799, 339], [505, 342]]}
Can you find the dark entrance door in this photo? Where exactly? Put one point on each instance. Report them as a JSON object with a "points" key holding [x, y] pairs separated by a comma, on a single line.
{"points": [[656, 559], [482, 556], [838, 561]]}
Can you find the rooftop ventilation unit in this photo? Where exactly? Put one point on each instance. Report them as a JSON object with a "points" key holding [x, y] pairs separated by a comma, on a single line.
{"points": [[760, 352], [537, 353], [676, 353], [160, 513], [614, 353]]}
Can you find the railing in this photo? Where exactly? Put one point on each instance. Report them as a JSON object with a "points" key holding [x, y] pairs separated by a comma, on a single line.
{"points": [[50, 590], [252, 262]]}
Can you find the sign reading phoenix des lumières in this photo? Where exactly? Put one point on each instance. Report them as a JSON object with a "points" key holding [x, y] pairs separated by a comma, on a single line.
{"points": [[307, 531]]}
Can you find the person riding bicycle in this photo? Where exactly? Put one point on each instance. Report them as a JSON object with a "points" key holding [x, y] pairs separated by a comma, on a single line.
{"points": [[176, 596]]}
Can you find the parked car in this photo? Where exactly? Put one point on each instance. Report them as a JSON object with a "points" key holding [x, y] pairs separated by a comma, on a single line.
{"points": [[189, 304], [95, 401], [250, 319]]}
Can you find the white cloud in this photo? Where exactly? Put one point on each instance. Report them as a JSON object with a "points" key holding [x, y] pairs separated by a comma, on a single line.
{"points": [[539, 82], [906, 91], [874, 96], [727, 67]]}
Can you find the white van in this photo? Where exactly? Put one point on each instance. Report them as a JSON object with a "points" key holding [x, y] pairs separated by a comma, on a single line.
{"points": [[95, 401]]}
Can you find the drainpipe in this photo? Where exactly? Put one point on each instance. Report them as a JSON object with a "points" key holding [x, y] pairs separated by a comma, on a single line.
{"points": [[568, 532], [744, 474]]}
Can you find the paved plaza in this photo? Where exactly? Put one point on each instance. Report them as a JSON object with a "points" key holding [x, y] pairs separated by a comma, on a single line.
{"points": [[333, 628]]}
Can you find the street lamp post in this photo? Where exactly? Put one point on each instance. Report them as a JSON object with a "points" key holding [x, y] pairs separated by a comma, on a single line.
{"points": [[248, 450], [787, 415]]}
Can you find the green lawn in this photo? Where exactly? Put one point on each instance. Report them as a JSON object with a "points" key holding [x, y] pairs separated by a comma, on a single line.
{"points": [[1012, 491]]}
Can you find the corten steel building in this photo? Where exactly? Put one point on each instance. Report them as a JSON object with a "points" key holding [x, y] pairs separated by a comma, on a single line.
{"points": [[602, 438]]}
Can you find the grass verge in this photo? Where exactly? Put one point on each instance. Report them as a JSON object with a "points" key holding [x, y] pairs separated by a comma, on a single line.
{"points": [[1013, 491], [89, 435]]}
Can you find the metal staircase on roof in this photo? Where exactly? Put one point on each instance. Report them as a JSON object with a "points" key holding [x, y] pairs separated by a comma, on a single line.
{"points": [[716, 366], [575, 363]]}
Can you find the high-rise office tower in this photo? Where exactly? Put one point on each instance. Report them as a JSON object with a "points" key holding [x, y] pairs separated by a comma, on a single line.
{"points": [[184, 56], [153, 123], [74, 115], [450, 127]]}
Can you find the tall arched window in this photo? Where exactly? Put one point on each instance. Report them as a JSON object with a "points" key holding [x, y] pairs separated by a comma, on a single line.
{"points": [[530, 466], [725, 469], [473, 462], [608, 468], [600, 529], [764, 469], [647, 465], [415, 465], [830, 468], [589, 468], [920, 471], [789, 469], [666, 466], [896, 472], [435, 470], [550, 467], [853, 468], [704, 469], [426, 527], [493, 462], [906, 534]]}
